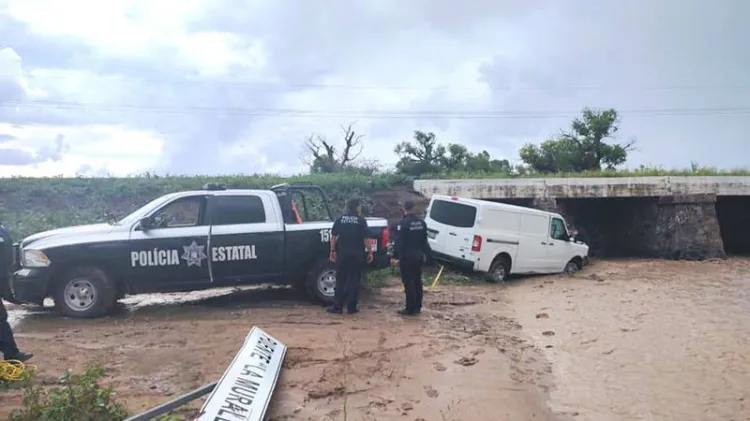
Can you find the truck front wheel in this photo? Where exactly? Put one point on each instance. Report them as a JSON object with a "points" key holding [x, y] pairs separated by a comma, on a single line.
{"points": [[321, 282], [84, 292]]}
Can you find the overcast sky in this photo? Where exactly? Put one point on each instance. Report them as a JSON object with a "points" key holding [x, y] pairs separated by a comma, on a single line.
{"points": [[92, 87]]}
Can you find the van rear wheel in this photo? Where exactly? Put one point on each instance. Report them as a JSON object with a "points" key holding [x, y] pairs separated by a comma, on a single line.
{"points": [[499, 270]]}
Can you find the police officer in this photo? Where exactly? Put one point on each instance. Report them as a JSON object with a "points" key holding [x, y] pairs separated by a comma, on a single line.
{"points": [[410, 252], [348, 245], [7, 342]]}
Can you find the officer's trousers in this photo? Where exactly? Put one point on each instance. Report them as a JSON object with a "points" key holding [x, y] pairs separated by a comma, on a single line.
{"points": [[8, 345], [411, 276], [349, 269]]}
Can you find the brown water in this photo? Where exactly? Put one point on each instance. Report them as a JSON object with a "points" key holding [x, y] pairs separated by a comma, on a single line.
{"points": [[645, 340]]}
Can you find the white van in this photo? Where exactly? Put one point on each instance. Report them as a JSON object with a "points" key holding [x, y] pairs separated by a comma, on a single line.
{"points": [[501, 239]]}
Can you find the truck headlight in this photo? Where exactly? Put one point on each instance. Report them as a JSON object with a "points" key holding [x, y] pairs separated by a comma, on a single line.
{"points": [[34, 259]]}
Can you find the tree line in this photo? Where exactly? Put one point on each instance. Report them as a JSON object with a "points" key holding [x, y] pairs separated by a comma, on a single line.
{"points": [[587, 145]]}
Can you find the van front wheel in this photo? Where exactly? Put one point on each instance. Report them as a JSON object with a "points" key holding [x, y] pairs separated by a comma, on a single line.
{"points": [[572, 267]]}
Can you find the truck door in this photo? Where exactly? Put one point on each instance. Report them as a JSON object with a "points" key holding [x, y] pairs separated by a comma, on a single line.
{"points": [[246, 239], [450, 227], [171, 253], [558, 245]]}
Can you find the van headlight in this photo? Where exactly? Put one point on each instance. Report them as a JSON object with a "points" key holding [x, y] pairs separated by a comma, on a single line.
{"points": [[34, 259]]}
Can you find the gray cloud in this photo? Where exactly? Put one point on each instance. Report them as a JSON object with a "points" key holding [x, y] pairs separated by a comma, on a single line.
{"points": [[18, 156], [536, 56], [6, 138]]}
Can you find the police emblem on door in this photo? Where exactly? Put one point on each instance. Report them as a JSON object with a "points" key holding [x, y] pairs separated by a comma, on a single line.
{"points": [[194, 254]]}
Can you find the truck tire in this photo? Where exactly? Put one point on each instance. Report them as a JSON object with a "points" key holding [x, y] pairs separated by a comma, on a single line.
{"points": [[321, 282], [84, 292]]}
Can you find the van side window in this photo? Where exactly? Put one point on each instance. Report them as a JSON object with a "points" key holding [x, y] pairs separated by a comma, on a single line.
{"points": [[557, 230]]}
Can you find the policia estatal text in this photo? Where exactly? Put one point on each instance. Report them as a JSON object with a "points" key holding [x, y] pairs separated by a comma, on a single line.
{"points": [[348, 244], [410, 252], [8, 345]]}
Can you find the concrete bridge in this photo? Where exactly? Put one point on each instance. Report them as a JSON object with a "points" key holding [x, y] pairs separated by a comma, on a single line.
{"points": [[664, 217]]}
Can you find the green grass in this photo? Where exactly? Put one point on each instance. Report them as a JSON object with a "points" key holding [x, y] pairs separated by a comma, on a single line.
{"points": [[383, 278], [30, 205]]}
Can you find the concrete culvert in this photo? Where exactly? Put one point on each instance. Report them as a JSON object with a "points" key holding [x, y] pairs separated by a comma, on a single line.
{"points": [[733, 213]]}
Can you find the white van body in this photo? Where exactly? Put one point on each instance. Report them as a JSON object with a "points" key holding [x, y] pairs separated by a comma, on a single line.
{"points": [[501, 239]]}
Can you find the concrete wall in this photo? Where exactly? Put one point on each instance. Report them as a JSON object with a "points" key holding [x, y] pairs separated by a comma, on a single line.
{"points": [[586, 187], [664, 217]]}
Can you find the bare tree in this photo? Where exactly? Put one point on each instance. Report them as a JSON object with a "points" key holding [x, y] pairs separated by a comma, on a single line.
{"points": [[321, 155]]}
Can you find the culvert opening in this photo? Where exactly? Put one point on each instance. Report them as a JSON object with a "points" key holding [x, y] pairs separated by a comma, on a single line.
{"points": [[733, 213], [614, 227]]}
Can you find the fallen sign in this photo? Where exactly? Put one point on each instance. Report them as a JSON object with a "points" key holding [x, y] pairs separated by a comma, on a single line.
{"points": [[244, 391]]}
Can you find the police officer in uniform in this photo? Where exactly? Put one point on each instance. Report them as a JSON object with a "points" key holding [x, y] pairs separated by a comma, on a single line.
{"points": [[410, 252], [348, 244], [7, 342]]}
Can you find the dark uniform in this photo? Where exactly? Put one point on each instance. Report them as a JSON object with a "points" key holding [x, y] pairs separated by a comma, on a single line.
{"points": [[8, 346], [411, 250], [350, 231]]}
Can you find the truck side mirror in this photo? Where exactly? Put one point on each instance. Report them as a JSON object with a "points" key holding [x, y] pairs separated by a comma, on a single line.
{"points": [[145, 223]]}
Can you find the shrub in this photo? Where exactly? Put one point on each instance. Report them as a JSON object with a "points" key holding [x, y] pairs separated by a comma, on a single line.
{"points": [[80, 398]]}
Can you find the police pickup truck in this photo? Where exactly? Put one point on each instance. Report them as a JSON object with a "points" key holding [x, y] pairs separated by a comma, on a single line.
{"points": [[187, 241]]}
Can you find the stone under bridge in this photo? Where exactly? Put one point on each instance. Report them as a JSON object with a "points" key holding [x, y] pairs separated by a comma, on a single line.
{"points": [[663, 217]]}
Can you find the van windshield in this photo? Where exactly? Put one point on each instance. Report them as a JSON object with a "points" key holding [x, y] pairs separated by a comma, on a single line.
{"points": [[453, 213]]}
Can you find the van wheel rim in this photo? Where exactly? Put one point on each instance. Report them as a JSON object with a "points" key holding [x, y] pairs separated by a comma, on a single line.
{"points": [[327, 283], [571, 268], [499, 272], [80, 294]]}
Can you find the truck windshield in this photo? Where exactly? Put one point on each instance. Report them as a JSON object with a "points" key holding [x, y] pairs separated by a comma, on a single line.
{"points": [[453, 213], [133, 217]]}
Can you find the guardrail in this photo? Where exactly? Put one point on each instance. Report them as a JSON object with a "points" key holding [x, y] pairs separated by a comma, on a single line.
{"points": [[244, 391]]}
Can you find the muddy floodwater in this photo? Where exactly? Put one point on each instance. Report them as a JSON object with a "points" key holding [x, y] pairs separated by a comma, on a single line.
{"points": [[622, 340]]}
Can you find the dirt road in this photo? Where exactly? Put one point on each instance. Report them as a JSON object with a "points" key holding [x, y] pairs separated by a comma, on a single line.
{"points": [[621, 341]]}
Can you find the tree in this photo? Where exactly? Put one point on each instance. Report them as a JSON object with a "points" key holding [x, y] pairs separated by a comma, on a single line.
{"points": [[322, 157], [483, 163], [582, 148], [424, 156]]}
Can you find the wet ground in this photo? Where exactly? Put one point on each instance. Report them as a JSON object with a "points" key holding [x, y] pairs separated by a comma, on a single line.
{"points": [[623, 340]]}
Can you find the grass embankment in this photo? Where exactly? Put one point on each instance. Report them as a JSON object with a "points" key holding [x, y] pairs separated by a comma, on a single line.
{"points": [[29, 205]]}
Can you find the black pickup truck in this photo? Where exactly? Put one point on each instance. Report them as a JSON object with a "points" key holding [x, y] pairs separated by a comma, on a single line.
{"points": [[187, 241]]}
